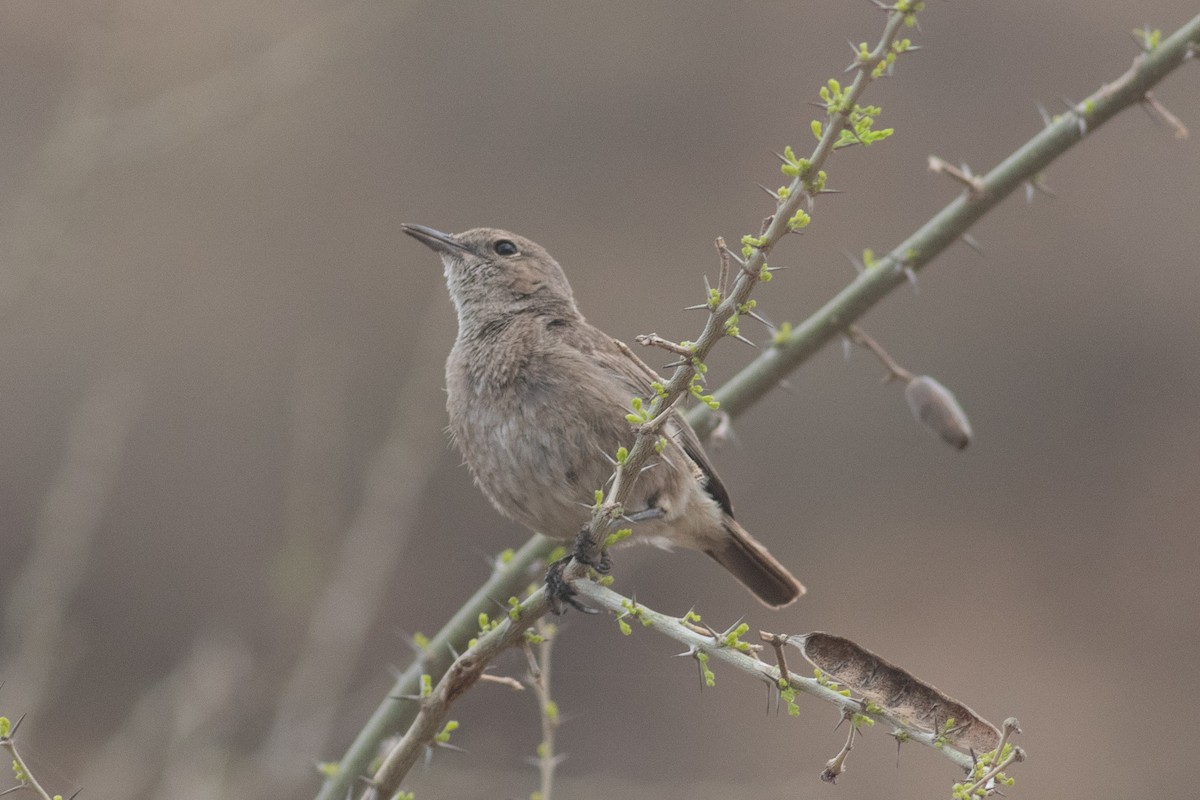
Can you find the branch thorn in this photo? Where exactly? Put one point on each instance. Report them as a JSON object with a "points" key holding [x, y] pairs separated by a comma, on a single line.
{"points": [[971, 242]]}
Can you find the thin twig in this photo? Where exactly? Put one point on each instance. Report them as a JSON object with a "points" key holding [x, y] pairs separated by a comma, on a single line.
{"points": [[837, 765], [547, 760], [22, 769], [760, 376], [777, 641], [765, 372], [677, 629], [1163, 113], [654, 340], [895, 371], [973, 183], [723, 253]]}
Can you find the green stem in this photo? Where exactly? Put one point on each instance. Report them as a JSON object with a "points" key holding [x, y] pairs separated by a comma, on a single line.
{"points": [[875, 282], [396, 713], [761, 375], [30, 782]]}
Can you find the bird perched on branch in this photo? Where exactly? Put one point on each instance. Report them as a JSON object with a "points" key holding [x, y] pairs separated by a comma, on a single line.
{"points": [[537, 399]]}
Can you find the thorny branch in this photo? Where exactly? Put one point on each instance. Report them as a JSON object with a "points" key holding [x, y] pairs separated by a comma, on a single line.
{"points": [[749, 272], [468, 667], [717, 647], [756, 380], [1022, 168], [20, 768]]}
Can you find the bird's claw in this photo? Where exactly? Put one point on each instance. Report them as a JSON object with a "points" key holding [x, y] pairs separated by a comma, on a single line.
{"points": [[559, 590]]}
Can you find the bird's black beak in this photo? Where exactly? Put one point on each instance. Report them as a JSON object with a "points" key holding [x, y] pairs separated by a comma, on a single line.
{"points": [[433, 239]]}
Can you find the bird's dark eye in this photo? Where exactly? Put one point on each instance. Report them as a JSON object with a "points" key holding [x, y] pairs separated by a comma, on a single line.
{"points": [[504, 247]]}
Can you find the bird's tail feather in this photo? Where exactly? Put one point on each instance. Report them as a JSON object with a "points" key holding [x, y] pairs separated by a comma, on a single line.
{"points": [[759, 571]]}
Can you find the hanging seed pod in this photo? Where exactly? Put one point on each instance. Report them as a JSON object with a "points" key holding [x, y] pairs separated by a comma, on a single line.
{"points": [[934, 407], [897, 691]]}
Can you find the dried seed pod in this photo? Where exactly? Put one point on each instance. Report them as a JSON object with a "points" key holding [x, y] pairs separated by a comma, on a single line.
{"points": [[934, 407], [900, 693]]}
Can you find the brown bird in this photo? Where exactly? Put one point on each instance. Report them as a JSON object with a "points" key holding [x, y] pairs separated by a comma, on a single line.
{"points": [[537, 399]]}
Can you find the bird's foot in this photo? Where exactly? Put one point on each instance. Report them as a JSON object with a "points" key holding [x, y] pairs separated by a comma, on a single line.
{"points": [[558, 586], [559, 590]]}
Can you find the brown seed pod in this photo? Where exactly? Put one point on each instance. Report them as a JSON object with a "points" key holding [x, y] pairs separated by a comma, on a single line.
{"points": [[934, 407], [900, 693]]}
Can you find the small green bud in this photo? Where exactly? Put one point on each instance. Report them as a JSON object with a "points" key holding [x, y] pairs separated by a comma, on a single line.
{"points": [[817, 127], [788, 694], [613, 538], [710, 679], [753, 241], [444, 736]]}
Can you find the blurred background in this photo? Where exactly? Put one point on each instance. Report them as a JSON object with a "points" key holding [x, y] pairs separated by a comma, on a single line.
{"points": [[226, 497]]}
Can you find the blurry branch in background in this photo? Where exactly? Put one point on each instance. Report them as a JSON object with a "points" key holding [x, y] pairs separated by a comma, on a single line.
{"points": [[314, 690], [89, 133], [35, 604], [171, 743], [539, 679], [792, 347]]}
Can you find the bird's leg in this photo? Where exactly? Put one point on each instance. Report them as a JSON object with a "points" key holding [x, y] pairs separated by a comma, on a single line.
{"points": [[560, 591], [584, 552]]}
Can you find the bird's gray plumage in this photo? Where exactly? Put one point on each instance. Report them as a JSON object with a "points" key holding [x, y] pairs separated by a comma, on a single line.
{"points": [[537, 399]]}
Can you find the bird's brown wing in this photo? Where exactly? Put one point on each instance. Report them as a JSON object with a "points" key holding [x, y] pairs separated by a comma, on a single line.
{"points": [[625, 363]]}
